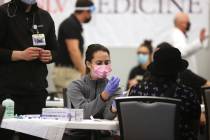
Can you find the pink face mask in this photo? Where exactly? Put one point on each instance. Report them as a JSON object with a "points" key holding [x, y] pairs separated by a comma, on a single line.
{"points": [[101, 71]]}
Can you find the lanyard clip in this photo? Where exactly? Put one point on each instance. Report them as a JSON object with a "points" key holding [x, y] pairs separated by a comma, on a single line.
{"points": [[35, 27]]}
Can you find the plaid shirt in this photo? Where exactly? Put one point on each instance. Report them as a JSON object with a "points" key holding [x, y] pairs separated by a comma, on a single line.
{"points": [[189, 107]]}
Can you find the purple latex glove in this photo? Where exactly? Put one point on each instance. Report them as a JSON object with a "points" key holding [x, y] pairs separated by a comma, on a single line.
{"points": [[112, 85], [114, 104]]}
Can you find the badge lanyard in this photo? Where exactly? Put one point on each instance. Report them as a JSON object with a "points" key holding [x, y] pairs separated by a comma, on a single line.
{"points": [[38, 39]]}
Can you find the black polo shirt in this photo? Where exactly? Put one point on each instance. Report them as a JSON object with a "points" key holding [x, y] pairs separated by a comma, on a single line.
{"points": [[136, 71], [70, 28], [16, 34]]}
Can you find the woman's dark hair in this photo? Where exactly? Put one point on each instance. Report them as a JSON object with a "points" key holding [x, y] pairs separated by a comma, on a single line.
{"points": [[91, 50], [148, 45]]}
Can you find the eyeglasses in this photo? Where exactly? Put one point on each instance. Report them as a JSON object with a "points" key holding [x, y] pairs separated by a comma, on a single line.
{"points": [[106, 62]]}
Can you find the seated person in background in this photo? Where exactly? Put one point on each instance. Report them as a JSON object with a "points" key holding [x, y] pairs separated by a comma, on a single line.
{"points": [[94, 92], [196, 82], [189, 78], [164, 72], [144, 57]]}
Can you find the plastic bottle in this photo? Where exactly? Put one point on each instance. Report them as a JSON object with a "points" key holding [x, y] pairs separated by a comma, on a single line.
{"points": [[9, 105]]}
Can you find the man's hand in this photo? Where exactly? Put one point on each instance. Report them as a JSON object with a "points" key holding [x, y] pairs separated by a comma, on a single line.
{"points": [[31, 53], [202, 119], [202, 35], [45, 56], [28, 54]]}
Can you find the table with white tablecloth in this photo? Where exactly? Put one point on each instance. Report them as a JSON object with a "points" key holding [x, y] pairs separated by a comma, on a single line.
{"points": [[54, 129]]}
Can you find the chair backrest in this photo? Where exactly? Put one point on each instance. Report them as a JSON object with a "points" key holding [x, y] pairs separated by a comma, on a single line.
{"points": [[2, 109], [147, 118], [65, 99], [207, 109]]}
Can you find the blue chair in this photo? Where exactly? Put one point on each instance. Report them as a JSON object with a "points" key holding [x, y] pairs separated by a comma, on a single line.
{"points": [[148, 118]]}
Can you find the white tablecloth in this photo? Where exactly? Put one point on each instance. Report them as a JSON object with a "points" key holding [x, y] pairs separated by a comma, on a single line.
{"points": [[54, 129]]}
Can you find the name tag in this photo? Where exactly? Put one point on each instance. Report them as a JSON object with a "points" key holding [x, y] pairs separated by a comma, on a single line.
{"points": [[38, 40]]}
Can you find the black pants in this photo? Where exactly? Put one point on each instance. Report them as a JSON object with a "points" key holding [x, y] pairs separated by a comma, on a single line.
{"points": [[28, 103]]}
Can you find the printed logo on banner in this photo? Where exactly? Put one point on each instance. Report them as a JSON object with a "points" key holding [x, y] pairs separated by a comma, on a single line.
{"points": [[53, 6], [123, 23], [128, 6], [148, 6]]}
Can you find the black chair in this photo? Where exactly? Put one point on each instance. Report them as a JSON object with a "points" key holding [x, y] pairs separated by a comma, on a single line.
{"points": [[65, 98], [2, 110], [207, 109], [148, 118]]}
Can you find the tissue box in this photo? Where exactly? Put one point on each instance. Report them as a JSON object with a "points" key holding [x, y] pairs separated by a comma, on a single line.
{"points": [[77, 114], [56, 113]]}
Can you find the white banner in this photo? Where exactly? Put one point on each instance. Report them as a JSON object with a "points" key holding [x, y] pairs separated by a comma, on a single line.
{"points": [[125, 23]]}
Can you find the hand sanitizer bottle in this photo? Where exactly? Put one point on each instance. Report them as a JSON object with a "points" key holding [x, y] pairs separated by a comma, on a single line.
{"points": [[9, 105]]}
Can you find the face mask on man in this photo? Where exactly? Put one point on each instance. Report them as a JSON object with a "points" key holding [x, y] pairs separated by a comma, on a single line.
{"points": [[87, 20], [101, 71], [188, 26], [142, 58], [29, 2]]}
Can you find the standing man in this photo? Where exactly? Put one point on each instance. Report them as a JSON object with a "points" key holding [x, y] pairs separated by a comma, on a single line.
{"points": [[69, 63], [179, 39], [27, 44]]}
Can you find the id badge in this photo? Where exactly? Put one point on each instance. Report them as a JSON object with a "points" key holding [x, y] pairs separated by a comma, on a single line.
{"points": [[38, 40]]}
